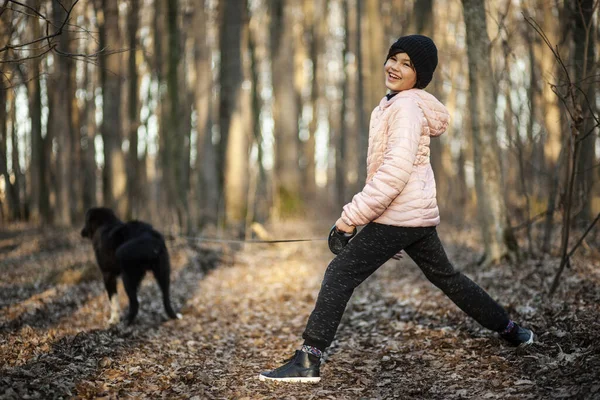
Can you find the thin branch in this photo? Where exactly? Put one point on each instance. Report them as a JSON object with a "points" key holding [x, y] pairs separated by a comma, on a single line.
{"points": [[553, 87], [17, 11], [588, 103], [36, 12], [3, 8], [579, 139], [24, 81], [589, 228], [28, 58], [531, 220], [93, 55], [63, 7], [540, 32]]}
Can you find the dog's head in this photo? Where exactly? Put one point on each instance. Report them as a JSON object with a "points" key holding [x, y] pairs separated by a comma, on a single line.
{"points": [[96, 217]]}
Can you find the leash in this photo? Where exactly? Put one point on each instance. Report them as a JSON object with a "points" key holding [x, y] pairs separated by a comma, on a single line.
{"points": [[253, 241]]}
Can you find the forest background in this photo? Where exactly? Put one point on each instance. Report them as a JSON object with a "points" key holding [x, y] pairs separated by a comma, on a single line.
{"points": [[207, 116], [249, 118]]}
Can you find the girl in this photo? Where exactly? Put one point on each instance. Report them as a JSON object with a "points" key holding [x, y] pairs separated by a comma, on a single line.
{"points": [[398, 206]]}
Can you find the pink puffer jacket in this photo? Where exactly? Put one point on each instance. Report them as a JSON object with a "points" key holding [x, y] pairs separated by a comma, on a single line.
{"points": [[400, 188]]}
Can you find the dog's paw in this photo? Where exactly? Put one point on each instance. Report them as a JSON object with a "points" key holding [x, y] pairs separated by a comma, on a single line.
{"points": [[178, 316], [114, 319]]}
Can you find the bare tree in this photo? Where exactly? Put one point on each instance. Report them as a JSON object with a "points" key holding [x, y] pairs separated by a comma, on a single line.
{"points": [[38, 170], [493, 218], [202, 83], [584, 57], [114, 177], [576, 104], [233, 151], [287, 176], [61, 127], [133, 121]]}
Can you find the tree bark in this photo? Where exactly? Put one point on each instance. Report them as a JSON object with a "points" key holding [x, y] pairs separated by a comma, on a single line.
{"points": [[314, 11], [287, 176], [233, 150], [38, 203], [205, 194], [3, 148], [62, 128], [133, 121], [114, 174], [259, 200], [18, 183], [88, 138], [585, 68], [489, 186], [352, 129], [174, 144]]}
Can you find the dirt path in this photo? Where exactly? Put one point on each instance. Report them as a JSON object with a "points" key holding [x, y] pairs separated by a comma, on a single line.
{"points": [[244, 312]]}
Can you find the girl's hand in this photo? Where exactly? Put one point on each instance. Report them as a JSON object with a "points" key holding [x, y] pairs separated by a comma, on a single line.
{"points": [[343, 227]]}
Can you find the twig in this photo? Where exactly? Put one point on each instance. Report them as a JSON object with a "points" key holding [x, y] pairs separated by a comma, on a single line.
{"points": [[531, 220], [28, 58], [588, 103], [36, 12], [581, 138], [589, 228]]}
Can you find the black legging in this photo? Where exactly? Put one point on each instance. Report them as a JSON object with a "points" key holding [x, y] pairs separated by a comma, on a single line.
{"points": [[371, 248]]}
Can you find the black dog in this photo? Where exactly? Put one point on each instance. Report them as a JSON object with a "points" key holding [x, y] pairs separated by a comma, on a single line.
{"points": [[128, 249]]}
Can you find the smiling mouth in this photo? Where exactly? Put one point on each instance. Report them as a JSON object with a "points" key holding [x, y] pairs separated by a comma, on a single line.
{"points": [[393, 76]]}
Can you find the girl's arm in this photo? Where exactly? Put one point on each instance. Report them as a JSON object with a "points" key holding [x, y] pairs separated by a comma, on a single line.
{"points": [[393, 174]]}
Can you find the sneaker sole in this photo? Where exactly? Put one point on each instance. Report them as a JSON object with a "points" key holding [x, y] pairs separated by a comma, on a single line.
{"points": [[292, 380]]}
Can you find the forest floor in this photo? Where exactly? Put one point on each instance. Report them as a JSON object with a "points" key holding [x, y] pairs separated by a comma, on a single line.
{"points": [[244, 312]]}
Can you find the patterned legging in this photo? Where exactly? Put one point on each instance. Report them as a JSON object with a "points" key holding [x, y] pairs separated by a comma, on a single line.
{"points": [[371, 248]]}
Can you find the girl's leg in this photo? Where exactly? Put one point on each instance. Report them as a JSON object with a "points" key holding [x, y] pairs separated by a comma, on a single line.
{"points": [[428, 253], [372, 246]]}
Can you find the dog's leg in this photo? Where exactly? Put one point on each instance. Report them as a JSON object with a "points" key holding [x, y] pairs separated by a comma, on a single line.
{"points": [[162, 273], [131, 281], [110, 282]]}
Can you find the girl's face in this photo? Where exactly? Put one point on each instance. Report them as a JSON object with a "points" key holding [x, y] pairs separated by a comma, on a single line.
{"points": [[400, 73]]}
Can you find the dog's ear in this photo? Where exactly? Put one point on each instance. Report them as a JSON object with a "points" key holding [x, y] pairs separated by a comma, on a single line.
{"points": [[94, 218]]}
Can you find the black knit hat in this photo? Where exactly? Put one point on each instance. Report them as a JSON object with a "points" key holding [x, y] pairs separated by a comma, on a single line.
{"points": [[422, 53]]}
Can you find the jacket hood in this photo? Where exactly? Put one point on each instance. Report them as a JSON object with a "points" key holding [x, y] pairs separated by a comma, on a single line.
{"points": [[435, 112]]}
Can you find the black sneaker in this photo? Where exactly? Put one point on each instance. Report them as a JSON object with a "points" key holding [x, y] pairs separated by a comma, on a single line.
{"points": [[518, 336], [302, 367]]}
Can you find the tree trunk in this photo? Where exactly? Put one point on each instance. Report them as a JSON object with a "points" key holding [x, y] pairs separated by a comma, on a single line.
{"points": [[352, 130], [287, 176], [18, 183], [114, 173], [550, 101], [61, 110], [158, 193], [317, 25], [3, 150], [38, 203], [488, 174], [585, 69], [552, 120], [133, 121], [88, 137], [175, 145], [205, 194], [258, 200], [233, 147]]}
